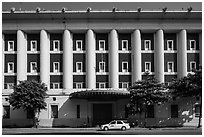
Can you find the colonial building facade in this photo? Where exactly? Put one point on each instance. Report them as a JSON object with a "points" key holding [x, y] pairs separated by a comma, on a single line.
{"points": [[97, 55]]}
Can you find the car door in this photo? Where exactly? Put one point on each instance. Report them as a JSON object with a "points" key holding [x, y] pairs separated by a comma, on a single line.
{"points": [[112, 125], [119, 124]]}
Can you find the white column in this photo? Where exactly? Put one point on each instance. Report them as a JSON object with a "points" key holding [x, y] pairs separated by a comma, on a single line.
{"points": [[44, 58], [67, 60], [90, 60], [2, 59], [182, 54], [136, 56], [200, 49], [159, 56], [21, 56], [113, 59]]}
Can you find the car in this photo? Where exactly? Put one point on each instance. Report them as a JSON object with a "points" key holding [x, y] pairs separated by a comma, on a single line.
{"points": [[115, 124]]}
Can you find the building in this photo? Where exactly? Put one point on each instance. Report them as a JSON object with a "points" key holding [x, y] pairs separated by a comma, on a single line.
{"points": [[98, 54]]}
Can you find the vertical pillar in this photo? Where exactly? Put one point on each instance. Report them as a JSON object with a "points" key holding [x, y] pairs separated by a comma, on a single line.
{"points": [[182, 54], [90, 60], [136, 56], [21, 56], [67, 60], [159, 56], [200, 49], [2, 60], [44, 58], [113, 59]]}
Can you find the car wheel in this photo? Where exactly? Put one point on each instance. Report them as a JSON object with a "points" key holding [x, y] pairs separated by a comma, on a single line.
{"points": [[105, 128], [123, 128]]}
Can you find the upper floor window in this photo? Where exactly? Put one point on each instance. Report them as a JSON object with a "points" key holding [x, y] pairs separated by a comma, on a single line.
{"points": [[124, 45], [192, 45], [33, 45], [192, 65], [170, 66], [78, 45], [55, 85], [10, 85], [102, 66], [102, 85], [56, 45], [33, 67], [147, 66], [101, 45], [125, 85], [10, 45], [147, 44], [78, 85], [56, 67], [124, 66], [170, 44], [10, 67], [78, 66]]}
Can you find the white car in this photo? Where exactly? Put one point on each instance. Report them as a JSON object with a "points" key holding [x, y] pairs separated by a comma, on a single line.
{"points": [[116, 124]]}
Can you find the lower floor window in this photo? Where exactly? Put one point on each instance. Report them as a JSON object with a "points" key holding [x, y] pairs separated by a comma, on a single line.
{"points": [[150, 111], [174, 111], [6, 112], [54, 111], [197, 110]]}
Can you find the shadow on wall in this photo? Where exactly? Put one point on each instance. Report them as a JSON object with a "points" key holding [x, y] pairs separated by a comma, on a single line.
{"points": [[67, 114], [185, 115]]}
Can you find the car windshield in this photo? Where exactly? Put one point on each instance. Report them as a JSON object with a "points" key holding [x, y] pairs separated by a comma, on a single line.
{"points": [[119, 122]]}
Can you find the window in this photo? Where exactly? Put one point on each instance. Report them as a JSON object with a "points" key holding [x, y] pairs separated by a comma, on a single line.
{"points": [[102, 85], [192, 45], [101, 45], [119, 122], [56, 45], [78, 66], [79, 45], [124, 66], [33, 45], [78, 85], [170, 44], [124, 45], [33, 67], [192, 65], [54, 111], [55, 85], [170, 66], [197, 110], [150, 111], [174, 111], [10, 45], [10, 85], [147, 44], [56, 67], [125, 85], [30, 114], [147, 66], [6, 112], [113, 122], [102, 66], [10, 67], [78, 111]]}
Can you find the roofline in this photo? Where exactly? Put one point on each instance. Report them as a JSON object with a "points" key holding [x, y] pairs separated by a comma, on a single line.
{"points": [[98, 11]]}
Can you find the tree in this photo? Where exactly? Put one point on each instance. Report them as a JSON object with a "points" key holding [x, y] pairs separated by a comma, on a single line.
{"points": [[144, 93], [29, 95], [189, 86]]}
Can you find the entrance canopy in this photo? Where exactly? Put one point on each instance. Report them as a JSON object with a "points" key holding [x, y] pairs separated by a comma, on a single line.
{"points": [[100, 95]]}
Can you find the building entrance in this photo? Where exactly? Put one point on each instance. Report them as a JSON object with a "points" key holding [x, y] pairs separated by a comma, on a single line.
{"points": [[102, 113]]}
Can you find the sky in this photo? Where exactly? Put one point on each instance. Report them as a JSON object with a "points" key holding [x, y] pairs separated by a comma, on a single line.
{"points": [[6, 5]]}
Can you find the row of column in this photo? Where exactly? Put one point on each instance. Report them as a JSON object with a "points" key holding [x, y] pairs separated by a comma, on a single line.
{"points": [[90, 57]]}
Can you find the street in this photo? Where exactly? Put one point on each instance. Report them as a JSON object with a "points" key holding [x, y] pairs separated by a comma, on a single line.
{"points": [[96, 131]]}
